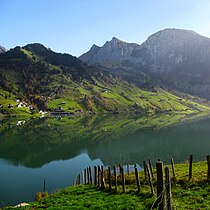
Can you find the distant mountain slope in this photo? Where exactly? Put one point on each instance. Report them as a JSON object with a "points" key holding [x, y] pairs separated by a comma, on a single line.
{"points": [[178, 59], [34, 76]]}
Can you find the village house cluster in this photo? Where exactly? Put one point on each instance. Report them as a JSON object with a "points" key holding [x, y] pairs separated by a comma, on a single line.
{"points": [[18, 105]]}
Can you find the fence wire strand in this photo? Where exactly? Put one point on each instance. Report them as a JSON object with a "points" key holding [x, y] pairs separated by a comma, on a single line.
{"points": [[160, 196]]}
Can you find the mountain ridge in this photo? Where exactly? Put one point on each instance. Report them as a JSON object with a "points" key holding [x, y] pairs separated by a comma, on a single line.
{"points": [[34, 76], [113, 50], [175, 58]]}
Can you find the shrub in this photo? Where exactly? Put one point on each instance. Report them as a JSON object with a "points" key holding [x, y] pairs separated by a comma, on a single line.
{"points": [[40, 195]]}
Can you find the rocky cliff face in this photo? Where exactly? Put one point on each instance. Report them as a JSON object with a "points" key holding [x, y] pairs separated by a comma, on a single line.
{"points": [[162, 51], [178, 59], [2, 49], [170, 49], [112, 51]]}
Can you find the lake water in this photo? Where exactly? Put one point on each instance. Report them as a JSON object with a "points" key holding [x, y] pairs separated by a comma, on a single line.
{"points": [[60, 148]]}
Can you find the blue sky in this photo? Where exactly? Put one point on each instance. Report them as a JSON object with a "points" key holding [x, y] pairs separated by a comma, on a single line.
{"points": [[72, 26]]}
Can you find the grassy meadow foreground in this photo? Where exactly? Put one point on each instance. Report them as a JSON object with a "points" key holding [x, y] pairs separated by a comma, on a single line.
{"points": [[193, 194]]}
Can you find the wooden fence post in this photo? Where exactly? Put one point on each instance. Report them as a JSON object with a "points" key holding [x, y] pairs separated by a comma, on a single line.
{"points": [[85, 177], [137, 179], [115, 177], [190, 167], [128, 169], [78, 179], [99, 176], [123, 179], [145, 170], [95, 175], [160, 185], [150, 179], [120, 169], [208, 164], [90, 175], [102, 178], [168, 189], [173, 168], [150, 166], [109, 178], [44, 188]]}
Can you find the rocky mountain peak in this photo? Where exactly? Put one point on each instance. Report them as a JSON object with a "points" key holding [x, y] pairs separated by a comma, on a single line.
{"points": [[116, 41], [94, 47], [171, 36], [114, 51], [2, 49], [170, 47], [87, 57]]}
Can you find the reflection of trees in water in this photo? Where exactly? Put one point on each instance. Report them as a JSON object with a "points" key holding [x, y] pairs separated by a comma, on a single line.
{"points": [[111, 139]]}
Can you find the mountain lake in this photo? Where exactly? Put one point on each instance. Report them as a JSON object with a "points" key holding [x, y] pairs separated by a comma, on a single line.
{"points": [[58, 149]]}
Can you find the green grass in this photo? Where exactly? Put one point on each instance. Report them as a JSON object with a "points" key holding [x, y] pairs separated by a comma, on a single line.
{"points": [[193, 194], [64, 103], [28, 53], [87, 197]]}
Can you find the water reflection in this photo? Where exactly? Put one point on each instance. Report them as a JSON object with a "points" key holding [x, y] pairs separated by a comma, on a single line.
{"points": [[110, 139], [20, 184]]}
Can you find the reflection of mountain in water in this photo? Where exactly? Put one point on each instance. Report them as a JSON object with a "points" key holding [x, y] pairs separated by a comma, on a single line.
{"points": [[177, 142], [112, 139]]}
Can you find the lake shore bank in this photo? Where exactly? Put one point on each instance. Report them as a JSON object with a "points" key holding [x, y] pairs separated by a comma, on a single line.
{"points": [[186, 194]]}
